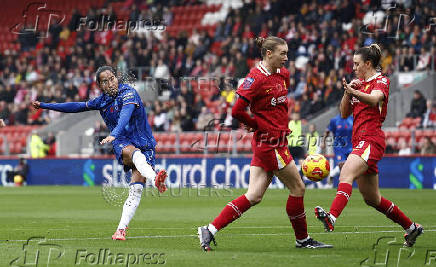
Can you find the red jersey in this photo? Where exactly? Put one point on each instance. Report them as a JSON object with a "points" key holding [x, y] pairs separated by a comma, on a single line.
{"points": [[368, 120], [267, 95]]}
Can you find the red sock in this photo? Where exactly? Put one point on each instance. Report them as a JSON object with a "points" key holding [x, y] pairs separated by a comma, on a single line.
{"points": [[297, 216], [394, 213], [231, 212], [343, 194]]}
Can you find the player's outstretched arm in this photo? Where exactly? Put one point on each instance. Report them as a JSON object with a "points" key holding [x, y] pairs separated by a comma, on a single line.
{"points": [[67, 107], [125, 114]]}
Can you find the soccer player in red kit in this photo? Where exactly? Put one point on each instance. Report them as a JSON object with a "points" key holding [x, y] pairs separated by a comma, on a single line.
{"points": [[367, 99], [265, 91]]}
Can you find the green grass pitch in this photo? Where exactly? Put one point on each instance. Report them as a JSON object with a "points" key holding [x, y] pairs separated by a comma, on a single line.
{"points": [[77, 224]]}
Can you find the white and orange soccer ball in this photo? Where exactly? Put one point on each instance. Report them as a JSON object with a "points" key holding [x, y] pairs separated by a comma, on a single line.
{"points": [[315, 167]]}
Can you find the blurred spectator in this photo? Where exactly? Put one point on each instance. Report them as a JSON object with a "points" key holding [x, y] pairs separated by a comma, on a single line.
{"points": [[160, 121], [228, 121], [204, 120], [295, 139], [418, 106], [423, 60], [99, 133], [51, 142], [404, 148], [228, 93], [430, 115], [21, 170], [390, 146], [427, 146], [37, 147], [312, 140]]}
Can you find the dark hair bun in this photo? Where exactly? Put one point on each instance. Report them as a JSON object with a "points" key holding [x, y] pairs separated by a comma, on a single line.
{"points": [[259, 41]]}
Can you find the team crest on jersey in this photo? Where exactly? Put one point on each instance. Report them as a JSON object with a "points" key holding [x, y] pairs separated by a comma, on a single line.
{"points": [[247, 83]]}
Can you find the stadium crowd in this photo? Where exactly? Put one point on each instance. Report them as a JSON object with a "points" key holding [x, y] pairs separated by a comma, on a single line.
{"points": [[321, 36]]}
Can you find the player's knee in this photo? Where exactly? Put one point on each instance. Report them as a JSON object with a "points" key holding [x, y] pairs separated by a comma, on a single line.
{"points": [[298, 190], [346, 177], [370, 202]]}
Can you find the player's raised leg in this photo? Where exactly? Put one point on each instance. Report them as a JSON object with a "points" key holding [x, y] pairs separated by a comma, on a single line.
{"points": [[134, 157], [368, 187], [259, 182], [353, 168], [295, 206], [130, 205]]}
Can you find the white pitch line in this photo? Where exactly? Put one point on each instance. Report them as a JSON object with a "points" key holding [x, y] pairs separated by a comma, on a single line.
{"points": [[249, 234], [233, 227]]}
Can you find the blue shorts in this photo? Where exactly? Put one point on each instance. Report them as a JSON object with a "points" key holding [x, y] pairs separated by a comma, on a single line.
{"points": [[120, 143]]}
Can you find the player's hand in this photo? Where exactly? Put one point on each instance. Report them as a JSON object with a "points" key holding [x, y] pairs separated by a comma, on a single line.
{"points": [[347, 87], [2, 123], [36, 104], [108, 139], [249, 129], [356, 83], [341, 164]]}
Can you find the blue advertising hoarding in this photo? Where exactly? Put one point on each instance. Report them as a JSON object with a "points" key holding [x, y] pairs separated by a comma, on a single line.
{"points": [[395, 172]]}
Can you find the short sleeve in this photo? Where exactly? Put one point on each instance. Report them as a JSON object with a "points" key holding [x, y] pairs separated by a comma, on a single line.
{"points": [[382, 84], [248, 89], [94, 104], [129, 97]]}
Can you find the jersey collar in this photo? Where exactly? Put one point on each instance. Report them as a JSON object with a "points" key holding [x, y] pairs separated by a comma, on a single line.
{"points": [[262, 69], [373, 77]]}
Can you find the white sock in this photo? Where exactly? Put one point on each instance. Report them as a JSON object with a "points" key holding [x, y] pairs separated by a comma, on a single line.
{"points": [[212, 229], [132, 202], [142, 166], [303, 240], [411, 228], [333, 218]]}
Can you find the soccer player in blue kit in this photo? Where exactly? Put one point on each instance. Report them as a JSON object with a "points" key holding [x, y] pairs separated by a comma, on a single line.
{"points": [[342, 130], [122, 110]]}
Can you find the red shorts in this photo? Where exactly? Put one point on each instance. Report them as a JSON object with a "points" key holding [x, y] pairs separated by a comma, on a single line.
{"points": [[269, 157], [371, 150]]}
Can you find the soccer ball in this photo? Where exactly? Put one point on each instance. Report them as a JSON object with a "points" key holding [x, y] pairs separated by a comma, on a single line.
{"points": [[315, 167]]}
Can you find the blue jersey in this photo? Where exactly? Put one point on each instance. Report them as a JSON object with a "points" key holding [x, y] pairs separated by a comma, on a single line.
{"points": [[138, 130], [342, 130]]}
